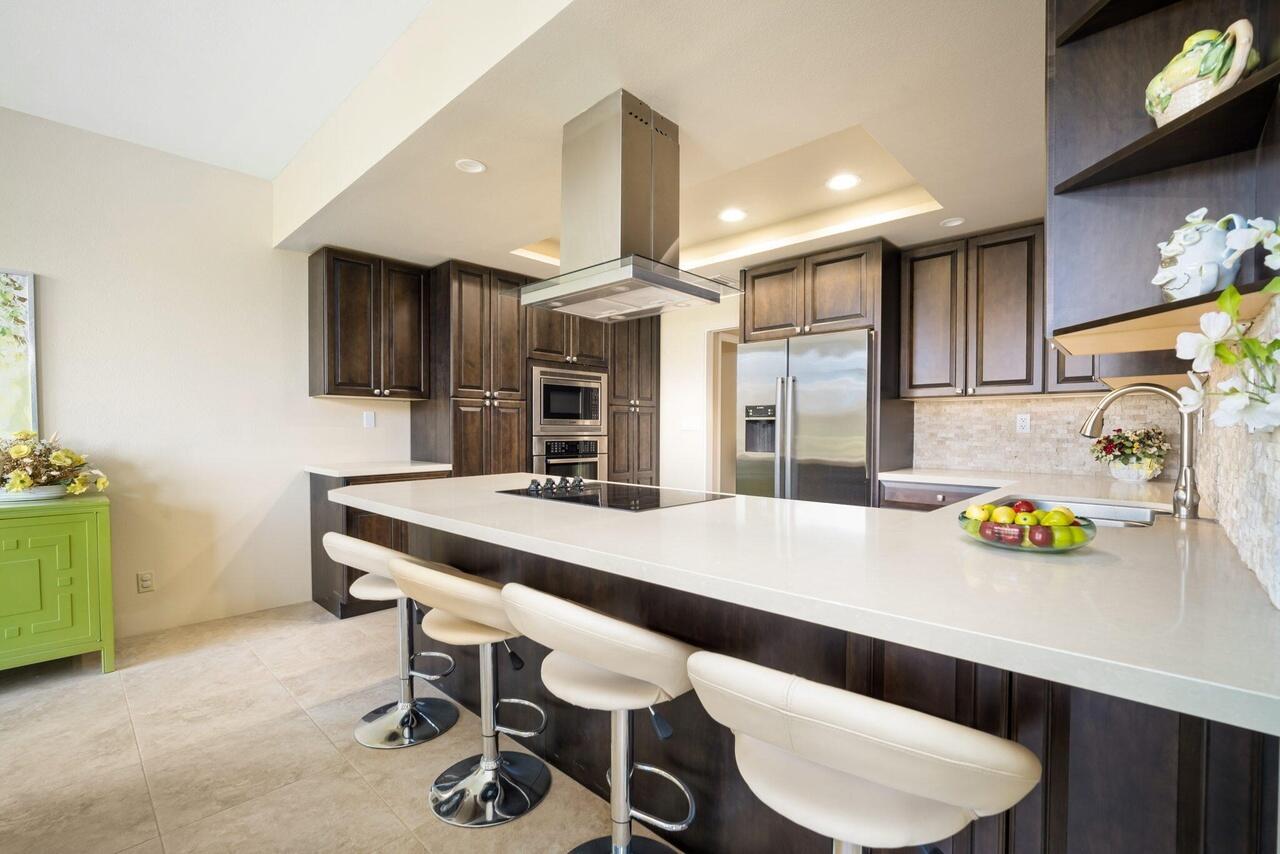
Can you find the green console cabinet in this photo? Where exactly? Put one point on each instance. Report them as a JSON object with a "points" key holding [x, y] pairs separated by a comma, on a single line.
{"points": [[55, 581]]}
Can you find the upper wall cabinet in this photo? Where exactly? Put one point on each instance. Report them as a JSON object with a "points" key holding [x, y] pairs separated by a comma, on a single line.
{"points": [[479, 310], [633, 362], [973, 316], [558, 337], [369, 331], [821, 293]]}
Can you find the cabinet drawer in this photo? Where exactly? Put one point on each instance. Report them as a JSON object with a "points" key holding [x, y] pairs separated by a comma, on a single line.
{"points": [[925, 496], [48, 589]]}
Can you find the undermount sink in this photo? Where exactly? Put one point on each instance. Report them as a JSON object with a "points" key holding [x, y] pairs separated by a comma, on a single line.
{"points": [[1103, 515]]}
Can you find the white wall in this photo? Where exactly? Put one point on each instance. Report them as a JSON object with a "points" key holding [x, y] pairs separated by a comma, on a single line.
{"points": [[684, 446], [173, 350]]}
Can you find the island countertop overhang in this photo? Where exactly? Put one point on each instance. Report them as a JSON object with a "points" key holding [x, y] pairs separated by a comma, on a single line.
{"points": [[1166, 615]]}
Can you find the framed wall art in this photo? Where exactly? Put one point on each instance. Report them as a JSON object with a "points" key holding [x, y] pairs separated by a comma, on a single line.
{"points": [[19, 403]]}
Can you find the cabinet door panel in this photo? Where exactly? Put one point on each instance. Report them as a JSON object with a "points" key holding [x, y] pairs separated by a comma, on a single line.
{"points": [[933, 319], [1006, 312], [1069, 373], [590, 342], [772, 302], [621, 444], [506, 336], [507, 443], [644, 440], [622, 387], [838, 290], [469, 438], [470, 331], [646, 345], [548, 334], [48, 592], [351, 301], [405, 341]]}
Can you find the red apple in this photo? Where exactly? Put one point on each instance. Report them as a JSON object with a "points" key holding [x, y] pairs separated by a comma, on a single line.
{"points": [[1023, 506], [987, 531], [1076, 522], [1011, 534], [1041, 535]]}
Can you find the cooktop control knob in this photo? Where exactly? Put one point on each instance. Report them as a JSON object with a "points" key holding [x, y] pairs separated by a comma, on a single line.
{"points": [[535, 488], [564, 483], [577, 482], [549, 486]]}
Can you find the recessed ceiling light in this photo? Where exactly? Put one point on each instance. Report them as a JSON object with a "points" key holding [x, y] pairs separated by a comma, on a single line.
{"points": [[952, 222], [843, 181], [733, 215], [473, 167]]}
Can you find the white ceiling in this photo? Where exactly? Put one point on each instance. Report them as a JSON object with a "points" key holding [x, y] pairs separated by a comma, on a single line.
{"points": [[953, 92], [236, 83]]}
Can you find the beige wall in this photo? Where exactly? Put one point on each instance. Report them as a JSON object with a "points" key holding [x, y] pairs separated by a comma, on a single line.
{"points": [[172, 348]]}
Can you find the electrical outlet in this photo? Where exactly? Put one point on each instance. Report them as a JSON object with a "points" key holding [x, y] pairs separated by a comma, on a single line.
{"points": [[146, 582], [369, 419], [1023, 422]]}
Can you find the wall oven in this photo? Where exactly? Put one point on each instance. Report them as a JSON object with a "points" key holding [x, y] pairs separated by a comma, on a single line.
{"points": [[571, 456], [568, 403]]}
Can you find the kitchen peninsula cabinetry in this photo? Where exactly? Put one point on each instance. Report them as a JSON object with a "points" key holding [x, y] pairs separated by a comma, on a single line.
{"points": [[819, 293], [368, 319], [478, 348], [633, 401], [973, 315], [558, 337]]}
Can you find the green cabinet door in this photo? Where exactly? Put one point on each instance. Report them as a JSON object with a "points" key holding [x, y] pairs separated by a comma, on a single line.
{"points": [[53, 585]]}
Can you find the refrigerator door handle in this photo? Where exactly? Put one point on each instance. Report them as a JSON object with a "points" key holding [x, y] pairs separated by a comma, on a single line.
{"points": [[791, 434], [779, 430]]}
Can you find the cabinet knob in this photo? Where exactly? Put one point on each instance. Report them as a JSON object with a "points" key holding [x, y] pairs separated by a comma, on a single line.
{"points": [[486, 403], [797, 329], [972, 390], [959, 391], [487, 393], [377, 391], [941, 498], [807, 327]]}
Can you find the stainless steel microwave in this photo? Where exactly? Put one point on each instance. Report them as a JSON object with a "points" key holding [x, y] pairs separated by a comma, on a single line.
{"points": [[569, 402]]}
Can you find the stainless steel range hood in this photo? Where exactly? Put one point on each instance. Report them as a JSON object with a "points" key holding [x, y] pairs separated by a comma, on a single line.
{"points": [[620, 218]]}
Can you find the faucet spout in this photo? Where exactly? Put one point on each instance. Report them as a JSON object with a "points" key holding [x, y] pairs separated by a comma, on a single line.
{"points": [[1186, 497]]}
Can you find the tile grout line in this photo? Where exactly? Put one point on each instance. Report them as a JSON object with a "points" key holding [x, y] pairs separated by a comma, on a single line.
{"points": [[142, 763]]}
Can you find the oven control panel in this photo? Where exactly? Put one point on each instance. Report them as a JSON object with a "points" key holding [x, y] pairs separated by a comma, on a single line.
{"points": [[572, 448]]}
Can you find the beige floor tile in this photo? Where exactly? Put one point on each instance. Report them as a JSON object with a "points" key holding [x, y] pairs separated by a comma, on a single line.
{"points": [[151, 846], [331, 812], [407, 844], [107, 811], [19, 684], [312, 647], [188, 785], [175, 680], [342, 676]]}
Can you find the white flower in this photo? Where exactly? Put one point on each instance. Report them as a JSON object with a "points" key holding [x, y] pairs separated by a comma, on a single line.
{"points": [[1193, 397], [1241, 240], [1197, 216], [1215, 326], [1231, 409]]}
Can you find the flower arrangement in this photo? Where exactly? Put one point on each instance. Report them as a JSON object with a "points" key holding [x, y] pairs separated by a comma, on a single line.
{"points": [[27, 461], [1132, 454]]}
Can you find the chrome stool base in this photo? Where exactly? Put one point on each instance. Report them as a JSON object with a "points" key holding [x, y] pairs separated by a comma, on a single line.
{"points": [[468, 794], [402, 724], [638, 845]]}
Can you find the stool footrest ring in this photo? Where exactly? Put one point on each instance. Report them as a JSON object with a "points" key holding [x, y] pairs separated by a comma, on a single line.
{"points": [[521, 733], [654, 821], [432, 677]]}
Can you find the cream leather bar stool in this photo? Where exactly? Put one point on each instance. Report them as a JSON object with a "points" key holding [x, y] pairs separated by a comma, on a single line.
{"points": [[601, 663], [493, 787], [854, 768], [409, 720]]}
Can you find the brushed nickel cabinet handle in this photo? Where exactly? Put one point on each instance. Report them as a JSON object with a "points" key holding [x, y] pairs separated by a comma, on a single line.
{"points": [[377, 391]]}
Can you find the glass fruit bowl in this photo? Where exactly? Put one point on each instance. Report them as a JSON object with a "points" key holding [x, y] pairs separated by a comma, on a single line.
{"points": [[1050, 539]]}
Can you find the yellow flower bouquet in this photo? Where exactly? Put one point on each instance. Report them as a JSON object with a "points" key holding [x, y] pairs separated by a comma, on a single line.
{"points": [[33, 468]]}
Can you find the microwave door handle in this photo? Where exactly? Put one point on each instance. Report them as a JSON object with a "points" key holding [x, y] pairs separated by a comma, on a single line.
{"points": [[779, 431]]}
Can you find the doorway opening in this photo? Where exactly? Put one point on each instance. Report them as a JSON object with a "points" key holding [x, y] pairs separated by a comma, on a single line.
{"points": [[722, 405]]}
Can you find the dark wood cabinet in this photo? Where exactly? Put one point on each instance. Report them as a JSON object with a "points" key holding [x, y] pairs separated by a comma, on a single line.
{"points": [[634, 362], [506, 336], [1070, 373], [331, 581], [369, 331], [489, 436], [633, 444], [973, 315], [558, 337], [773, 300]]}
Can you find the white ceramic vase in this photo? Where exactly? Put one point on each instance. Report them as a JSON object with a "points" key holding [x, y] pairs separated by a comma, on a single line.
{"points": [[1137, 472], [34, 493]]}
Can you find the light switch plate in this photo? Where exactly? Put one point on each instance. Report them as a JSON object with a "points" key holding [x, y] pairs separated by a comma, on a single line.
{"points": [[370, 418], [146, 582], [1023, 422]]}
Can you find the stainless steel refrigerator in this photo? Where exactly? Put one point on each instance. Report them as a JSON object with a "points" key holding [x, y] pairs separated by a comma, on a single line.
{"points": [[805, 412]]}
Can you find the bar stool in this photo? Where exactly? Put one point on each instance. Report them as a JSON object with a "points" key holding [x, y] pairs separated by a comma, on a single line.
{"points": [[409, 720], [601, 663], [862, 771], [493, 787]]}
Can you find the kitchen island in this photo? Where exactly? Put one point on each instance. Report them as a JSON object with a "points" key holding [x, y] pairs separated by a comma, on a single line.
{"points": [[1142, 669]]}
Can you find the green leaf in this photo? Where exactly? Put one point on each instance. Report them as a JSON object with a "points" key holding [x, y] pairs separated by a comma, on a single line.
{"points": [[1272, 287], [1229, 301], [1253, 349], [1225, 354]]}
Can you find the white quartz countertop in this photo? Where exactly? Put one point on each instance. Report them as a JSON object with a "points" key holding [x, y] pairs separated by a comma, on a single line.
{"points": [[1155, 494], [366, 469], [1166, 615]]}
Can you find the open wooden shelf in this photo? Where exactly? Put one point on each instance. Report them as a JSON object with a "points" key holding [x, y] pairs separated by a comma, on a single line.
{"points": [[1173, 382], [1230, 123], [1104, 14], [1154, 328]]}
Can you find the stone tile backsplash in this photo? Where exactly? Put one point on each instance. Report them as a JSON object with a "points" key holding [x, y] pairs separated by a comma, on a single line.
{"points": [[980, 432]]}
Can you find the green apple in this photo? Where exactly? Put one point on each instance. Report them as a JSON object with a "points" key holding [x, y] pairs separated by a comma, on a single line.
{"points": [[1078, 534], [972, 526], [1055, 519], [1065, 511], [1062, 537], [975, 513], [1026, 519]]}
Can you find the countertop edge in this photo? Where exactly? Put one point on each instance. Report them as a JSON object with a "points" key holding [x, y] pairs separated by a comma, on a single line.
{"points": [[375, 467]]}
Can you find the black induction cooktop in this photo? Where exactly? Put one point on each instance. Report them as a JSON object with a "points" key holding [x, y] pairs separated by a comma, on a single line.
{"points": [[617, 496]]}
